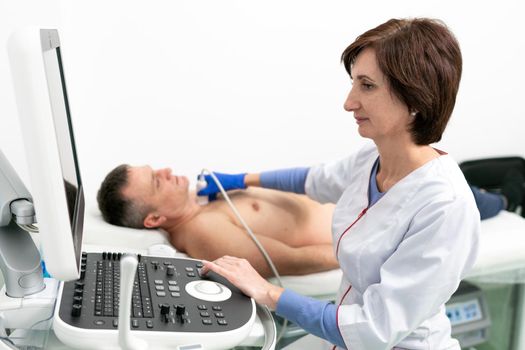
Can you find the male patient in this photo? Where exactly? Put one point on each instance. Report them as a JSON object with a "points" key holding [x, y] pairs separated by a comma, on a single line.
{"points": [[294, 230]]}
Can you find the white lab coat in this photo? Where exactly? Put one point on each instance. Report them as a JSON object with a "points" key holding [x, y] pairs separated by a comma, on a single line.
{"points": [[404, 257]]}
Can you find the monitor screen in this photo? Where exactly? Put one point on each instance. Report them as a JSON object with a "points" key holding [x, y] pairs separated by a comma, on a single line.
{"points": [[65, 137]]}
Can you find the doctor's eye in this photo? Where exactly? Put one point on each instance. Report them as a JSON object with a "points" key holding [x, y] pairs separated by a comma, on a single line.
{"points": [[367, 86]]}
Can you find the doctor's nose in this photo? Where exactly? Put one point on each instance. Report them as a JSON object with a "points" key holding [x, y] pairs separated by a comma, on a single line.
{"points": [[351, 103]]}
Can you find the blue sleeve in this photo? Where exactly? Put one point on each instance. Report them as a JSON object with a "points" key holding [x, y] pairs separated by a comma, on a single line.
{"points": [[314, 316], [289, 180]]}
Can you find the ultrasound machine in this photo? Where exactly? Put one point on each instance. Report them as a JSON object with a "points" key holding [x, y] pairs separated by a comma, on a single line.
{"points": [[103, 300]]}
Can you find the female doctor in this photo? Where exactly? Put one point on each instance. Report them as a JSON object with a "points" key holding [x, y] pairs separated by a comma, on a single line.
{"points": [[406, 227]]}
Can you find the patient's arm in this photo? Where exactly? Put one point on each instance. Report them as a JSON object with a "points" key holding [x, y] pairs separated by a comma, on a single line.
{"points": [[221, 237]]}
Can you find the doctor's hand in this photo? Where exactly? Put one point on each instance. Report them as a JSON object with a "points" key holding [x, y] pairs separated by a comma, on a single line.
{"points": [[228, 182], [242, 275]]}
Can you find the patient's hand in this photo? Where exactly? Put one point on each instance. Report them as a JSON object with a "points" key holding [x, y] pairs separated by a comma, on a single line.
{"points": [[241, 274]]}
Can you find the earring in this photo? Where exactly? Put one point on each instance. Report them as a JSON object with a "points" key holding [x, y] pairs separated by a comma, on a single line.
{"points": [[413, 114]]}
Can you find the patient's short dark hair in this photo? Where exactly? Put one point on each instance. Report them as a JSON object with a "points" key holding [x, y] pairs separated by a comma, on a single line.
{"points": [[115, 208]]}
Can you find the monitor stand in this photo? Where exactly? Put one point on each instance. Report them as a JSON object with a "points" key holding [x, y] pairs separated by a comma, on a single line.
{"points": [[19, 258]]}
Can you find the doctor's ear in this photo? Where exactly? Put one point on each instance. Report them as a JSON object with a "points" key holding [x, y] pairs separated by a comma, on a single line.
{"points": [[153, 220]]}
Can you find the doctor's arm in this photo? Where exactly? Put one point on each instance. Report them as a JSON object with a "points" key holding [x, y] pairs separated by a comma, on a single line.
{"points": [[289, 180], [315, 316], [324, 183]]}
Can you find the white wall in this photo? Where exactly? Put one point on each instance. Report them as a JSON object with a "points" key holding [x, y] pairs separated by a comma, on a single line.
{"points": [[247, 86]]}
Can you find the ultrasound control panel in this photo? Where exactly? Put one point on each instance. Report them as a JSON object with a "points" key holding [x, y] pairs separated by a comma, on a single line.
{"points": [[169, 295]]}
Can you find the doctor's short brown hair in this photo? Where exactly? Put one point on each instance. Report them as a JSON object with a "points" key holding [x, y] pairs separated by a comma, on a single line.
{"points": [[422, 62]]}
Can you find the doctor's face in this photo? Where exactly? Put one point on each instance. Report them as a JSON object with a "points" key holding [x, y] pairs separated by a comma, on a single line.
{"points": [[379, 114], [160, 190]]}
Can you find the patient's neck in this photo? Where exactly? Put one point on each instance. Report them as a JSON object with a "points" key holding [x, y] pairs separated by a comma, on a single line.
{"points": [[187, 213]]}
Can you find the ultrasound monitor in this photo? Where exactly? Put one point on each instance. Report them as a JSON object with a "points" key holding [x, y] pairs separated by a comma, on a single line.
{"points": [[45, 119]]}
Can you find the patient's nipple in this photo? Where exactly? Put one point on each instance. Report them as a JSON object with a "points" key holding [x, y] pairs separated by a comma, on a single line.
{"points": [[255, 206]]}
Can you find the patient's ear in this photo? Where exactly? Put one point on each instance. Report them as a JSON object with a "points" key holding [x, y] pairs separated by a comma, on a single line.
{"points": [[153, 220]]}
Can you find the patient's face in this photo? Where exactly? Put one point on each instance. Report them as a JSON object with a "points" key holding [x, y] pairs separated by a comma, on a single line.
{"points": [[159, 189]]}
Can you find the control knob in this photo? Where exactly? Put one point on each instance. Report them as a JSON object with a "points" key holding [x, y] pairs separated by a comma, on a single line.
{"points": [[76, 310], [165, 312], [180, 311]]}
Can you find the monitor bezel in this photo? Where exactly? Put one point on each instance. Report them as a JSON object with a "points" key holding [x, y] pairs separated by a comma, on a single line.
{"points": [[51, 41], [60, 247]]}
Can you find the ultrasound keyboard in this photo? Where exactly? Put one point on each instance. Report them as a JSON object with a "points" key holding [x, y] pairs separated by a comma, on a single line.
{"points": [[171, 302]]}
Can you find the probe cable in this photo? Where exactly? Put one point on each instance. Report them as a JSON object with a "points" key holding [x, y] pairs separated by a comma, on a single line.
{"points": [[252, 236]]}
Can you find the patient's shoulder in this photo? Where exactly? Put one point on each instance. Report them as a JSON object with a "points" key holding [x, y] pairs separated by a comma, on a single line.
{"points": [[186, 234], [200, 235], [204, 223]]}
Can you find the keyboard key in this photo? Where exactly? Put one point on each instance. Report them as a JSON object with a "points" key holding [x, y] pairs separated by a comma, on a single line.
{"points": [[137, 312], [106, 278]]}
